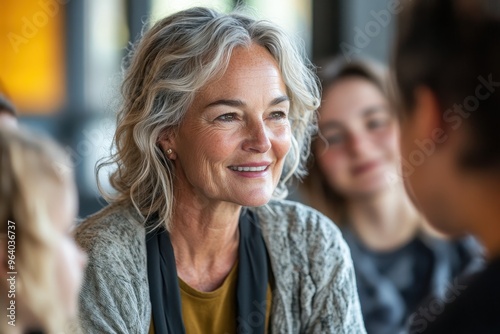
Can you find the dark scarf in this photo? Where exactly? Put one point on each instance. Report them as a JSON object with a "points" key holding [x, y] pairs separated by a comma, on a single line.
{"points": [[253, 278]]}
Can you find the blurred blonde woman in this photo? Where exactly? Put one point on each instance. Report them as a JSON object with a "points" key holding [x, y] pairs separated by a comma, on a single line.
{"points": [[356, 181], [41, 264]]}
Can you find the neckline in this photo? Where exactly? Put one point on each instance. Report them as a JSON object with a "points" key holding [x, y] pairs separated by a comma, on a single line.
{"points": [[186, 288]]}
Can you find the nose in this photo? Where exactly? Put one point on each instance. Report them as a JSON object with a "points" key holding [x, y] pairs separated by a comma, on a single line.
{"points": [[257, 138], [359, 144]]}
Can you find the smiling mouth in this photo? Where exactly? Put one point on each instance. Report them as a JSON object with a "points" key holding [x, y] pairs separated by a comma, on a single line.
{"points": [[365, 167], [248, 169]]}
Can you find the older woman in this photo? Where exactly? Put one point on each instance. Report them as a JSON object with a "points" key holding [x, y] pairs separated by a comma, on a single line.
{"points": [[217, 115]]}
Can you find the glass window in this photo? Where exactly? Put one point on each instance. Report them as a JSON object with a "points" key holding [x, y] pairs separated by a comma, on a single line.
{"points": [[162, 8], [295, 16], [107, 36]]}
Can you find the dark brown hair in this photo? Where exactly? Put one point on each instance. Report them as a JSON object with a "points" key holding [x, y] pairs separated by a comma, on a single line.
{"points": [[453, 47]]}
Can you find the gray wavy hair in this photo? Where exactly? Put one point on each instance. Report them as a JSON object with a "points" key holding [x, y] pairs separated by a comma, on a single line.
{"points": [[170, 63]]}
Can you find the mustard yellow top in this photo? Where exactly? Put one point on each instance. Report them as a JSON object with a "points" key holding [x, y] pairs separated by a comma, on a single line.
{"points": [[214, 311]]}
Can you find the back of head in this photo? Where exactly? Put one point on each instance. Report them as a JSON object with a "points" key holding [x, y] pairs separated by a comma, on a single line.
{"points": [[173, 60], [453, 48], [33, 171]]}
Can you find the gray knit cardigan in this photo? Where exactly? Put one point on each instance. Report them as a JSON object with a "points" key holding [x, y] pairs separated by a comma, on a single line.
{"points": [[315, 286]]}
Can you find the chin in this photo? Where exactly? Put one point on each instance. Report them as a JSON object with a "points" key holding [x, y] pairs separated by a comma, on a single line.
{"points": [[255, 199], [371, 188]]}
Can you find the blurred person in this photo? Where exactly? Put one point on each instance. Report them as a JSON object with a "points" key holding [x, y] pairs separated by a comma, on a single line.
{"points": [[7, 113], [448, 72], [217, 115], [42, 267], [355, 180]]}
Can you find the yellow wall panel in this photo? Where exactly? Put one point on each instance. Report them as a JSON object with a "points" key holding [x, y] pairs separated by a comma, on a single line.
{"points": [[32, 54]]}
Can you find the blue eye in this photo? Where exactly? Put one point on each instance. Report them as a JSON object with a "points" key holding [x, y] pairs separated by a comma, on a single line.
{"points": [[227, 117], [278, 115]]}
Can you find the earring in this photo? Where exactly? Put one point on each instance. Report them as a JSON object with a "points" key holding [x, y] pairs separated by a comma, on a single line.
{"points": [[169, 151]]}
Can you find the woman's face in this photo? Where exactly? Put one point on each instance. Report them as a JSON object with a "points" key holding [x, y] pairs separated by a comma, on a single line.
{"points": [[361, 157], [233, 141], [70, 259]]}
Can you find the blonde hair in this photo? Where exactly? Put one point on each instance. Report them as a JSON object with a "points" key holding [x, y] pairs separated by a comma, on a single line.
{"points": [[173, 60], [32, 166]]}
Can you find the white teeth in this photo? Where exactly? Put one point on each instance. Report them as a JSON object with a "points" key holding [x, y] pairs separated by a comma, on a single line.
{"points": [[248, 169]]}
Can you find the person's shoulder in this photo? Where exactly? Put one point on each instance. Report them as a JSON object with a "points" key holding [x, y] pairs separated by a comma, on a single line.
{"points": [[302, 231], [302, 241], [285, 215], [113, 225]]}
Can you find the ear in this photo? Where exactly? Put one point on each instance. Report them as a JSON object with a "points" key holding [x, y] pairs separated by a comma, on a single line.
{"points": [[427, 119], [166, 140], [423, 132]]}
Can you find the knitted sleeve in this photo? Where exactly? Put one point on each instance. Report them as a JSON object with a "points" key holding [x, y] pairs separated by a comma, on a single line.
{"points": [[115, 294]]}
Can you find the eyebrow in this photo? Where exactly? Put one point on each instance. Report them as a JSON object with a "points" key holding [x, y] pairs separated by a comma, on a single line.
{"points": [[366, 113], [373, 110], [330, 125], [240, 103], [279, 100]]}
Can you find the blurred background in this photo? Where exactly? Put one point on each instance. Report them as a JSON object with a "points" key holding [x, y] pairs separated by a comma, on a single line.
{"points": [[60, 60]]}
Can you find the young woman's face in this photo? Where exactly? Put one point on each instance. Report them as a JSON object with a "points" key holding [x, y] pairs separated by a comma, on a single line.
{"points": [[71, 260], [359, 153]]}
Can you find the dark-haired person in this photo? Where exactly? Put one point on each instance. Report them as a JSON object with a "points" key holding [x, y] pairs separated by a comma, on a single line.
{"points": [[448, 71], [7, 113]]}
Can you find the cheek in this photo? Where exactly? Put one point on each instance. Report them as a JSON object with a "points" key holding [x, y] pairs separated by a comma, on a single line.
{"points": [[405, 144], [282, 141], [70, 267], [389, 141], [333, 165], [201, 147]]}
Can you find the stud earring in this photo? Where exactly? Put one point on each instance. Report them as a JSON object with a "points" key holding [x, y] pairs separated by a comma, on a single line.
{"points": [[169, 151]]}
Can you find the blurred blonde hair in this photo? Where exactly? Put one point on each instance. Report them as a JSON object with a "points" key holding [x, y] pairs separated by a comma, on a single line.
{"points": [[33, 169], [176, 58]]}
